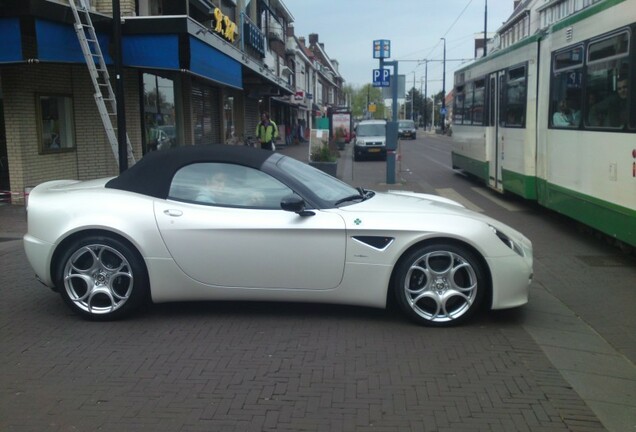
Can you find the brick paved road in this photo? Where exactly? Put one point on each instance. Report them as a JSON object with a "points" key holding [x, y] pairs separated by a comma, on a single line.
{"points": [[267, 367]]}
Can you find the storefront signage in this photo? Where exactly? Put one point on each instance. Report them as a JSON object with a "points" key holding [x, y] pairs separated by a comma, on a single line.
{"points": [[223, 25], [254, 37], [300, 95]]}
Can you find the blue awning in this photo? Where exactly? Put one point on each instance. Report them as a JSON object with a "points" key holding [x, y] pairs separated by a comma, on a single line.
{"points": [[155, 51], [151, 51], [213, 64], [11, 47], [57, 42]]}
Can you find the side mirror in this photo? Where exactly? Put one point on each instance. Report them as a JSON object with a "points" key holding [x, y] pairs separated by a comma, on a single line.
{"points": [[294, 203]]}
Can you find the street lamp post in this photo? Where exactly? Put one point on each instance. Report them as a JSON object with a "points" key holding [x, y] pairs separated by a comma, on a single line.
{"points": [[413, 98], [425, 89], [443, 111], [485, 26]]}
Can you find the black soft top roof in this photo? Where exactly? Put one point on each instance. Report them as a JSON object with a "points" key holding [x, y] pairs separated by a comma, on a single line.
{"points": [[153, 174]]}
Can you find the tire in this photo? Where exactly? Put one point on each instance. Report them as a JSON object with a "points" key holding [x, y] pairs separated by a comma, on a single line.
{"points": [[102, 278], [440, 285]]}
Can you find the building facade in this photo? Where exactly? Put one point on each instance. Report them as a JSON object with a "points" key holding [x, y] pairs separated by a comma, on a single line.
{"points": [[195, 72]]}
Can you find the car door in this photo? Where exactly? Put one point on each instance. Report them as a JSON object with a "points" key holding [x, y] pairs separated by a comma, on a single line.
{"points": [[243, 239]]}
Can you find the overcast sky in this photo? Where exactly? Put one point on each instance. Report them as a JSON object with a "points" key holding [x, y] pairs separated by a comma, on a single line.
{"points": [[348, 28]]}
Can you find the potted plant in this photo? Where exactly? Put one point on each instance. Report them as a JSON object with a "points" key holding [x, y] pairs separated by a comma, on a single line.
{"points": [[325, 158]]}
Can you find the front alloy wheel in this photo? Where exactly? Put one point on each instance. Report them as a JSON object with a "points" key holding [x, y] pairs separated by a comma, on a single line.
{"points": [[440, 285], [102, 278]]}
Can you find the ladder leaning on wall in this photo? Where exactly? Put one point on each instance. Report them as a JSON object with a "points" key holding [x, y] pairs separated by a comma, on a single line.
{"points": [[104, 95]]}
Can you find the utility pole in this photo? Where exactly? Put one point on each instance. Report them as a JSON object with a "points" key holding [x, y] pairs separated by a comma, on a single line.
{"points": [[443, 110], [425, 88], [485, 26], [412, 98]]}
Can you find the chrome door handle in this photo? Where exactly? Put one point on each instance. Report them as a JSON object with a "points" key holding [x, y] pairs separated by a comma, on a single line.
{"points": [[173, 212]]}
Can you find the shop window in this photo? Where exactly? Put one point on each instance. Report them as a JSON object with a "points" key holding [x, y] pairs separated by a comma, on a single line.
{"points": [[228, 119], [55, 117], [206, 118], [160, 127], [566, 88]]}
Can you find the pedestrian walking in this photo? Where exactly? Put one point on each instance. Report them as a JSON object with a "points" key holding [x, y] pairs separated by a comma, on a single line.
{"points": [[267, 132]]}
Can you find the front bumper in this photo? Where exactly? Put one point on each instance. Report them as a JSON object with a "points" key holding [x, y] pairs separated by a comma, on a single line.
{"points": [[370, 151]]}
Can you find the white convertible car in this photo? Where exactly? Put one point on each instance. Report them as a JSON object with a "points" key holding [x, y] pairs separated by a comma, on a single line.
{"points": [[236, 223]]}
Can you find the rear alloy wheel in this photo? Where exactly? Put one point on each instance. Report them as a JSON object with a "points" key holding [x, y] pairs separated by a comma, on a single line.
{"points": [[440, 285], [102, 278]]}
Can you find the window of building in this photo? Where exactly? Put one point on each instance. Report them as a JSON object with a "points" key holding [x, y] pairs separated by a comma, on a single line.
{"points": [[160, 122], [607, 79], [206, 117], [566, 88], [228, 118], [55, 123]]}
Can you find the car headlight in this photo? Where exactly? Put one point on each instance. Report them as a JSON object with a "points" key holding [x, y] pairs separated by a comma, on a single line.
{"points": [[508, 241]]}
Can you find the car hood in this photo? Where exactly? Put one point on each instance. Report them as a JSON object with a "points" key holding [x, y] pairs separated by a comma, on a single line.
{"points": [[407, 202], [399, 210], [415, 204]]}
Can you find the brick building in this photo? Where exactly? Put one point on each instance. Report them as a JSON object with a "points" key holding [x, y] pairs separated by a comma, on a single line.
{"points": [[195, 72]]}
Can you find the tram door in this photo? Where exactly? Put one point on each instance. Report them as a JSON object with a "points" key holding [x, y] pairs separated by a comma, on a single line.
{"points": [[494, 138]]}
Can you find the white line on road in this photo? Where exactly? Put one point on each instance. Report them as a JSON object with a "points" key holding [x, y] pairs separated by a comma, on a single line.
{"points": [[455, 196], [492, 197]]}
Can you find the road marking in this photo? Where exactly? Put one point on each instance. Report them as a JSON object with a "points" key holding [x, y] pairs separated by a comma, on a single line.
{"points": [[452, 194], [503, 203]]}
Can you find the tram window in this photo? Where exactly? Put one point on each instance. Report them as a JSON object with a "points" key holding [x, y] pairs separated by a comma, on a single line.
{"points": [[613, 46], [468, 104], [607, 83], [458, 108], [514, 103], [566, 85], [478, 102]]}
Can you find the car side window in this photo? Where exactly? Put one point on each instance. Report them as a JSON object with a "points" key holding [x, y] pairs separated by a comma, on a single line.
{"points": [[227, 185]]}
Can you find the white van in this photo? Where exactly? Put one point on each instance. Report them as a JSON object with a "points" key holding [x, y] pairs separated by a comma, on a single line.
{"points": [[370, 140]]}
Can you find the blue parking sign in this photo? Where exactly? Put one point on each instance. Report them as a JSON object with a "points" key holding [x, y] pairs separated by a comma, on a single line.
{"points": [[381, 77]]}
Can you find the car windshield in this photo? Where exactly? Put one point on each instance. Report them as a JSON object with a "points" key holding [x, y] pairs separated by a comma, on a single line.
{"points": [[326, 187], [375, 129], [406, 124]]}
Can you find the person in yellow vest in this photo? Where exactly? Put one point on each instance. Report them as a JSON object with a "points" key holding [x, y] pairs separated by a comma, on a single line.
{"points": [[267, 132]]}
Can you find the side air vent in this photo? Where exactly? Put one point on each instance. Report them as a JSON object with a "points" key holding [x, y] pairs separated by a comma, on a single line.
{"points": [[375, 242]]}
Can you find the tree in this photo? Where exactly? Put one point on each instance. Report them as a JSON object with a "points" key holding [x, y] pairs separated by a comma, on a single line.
{"points": [[438, 105], [362, 97]]}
